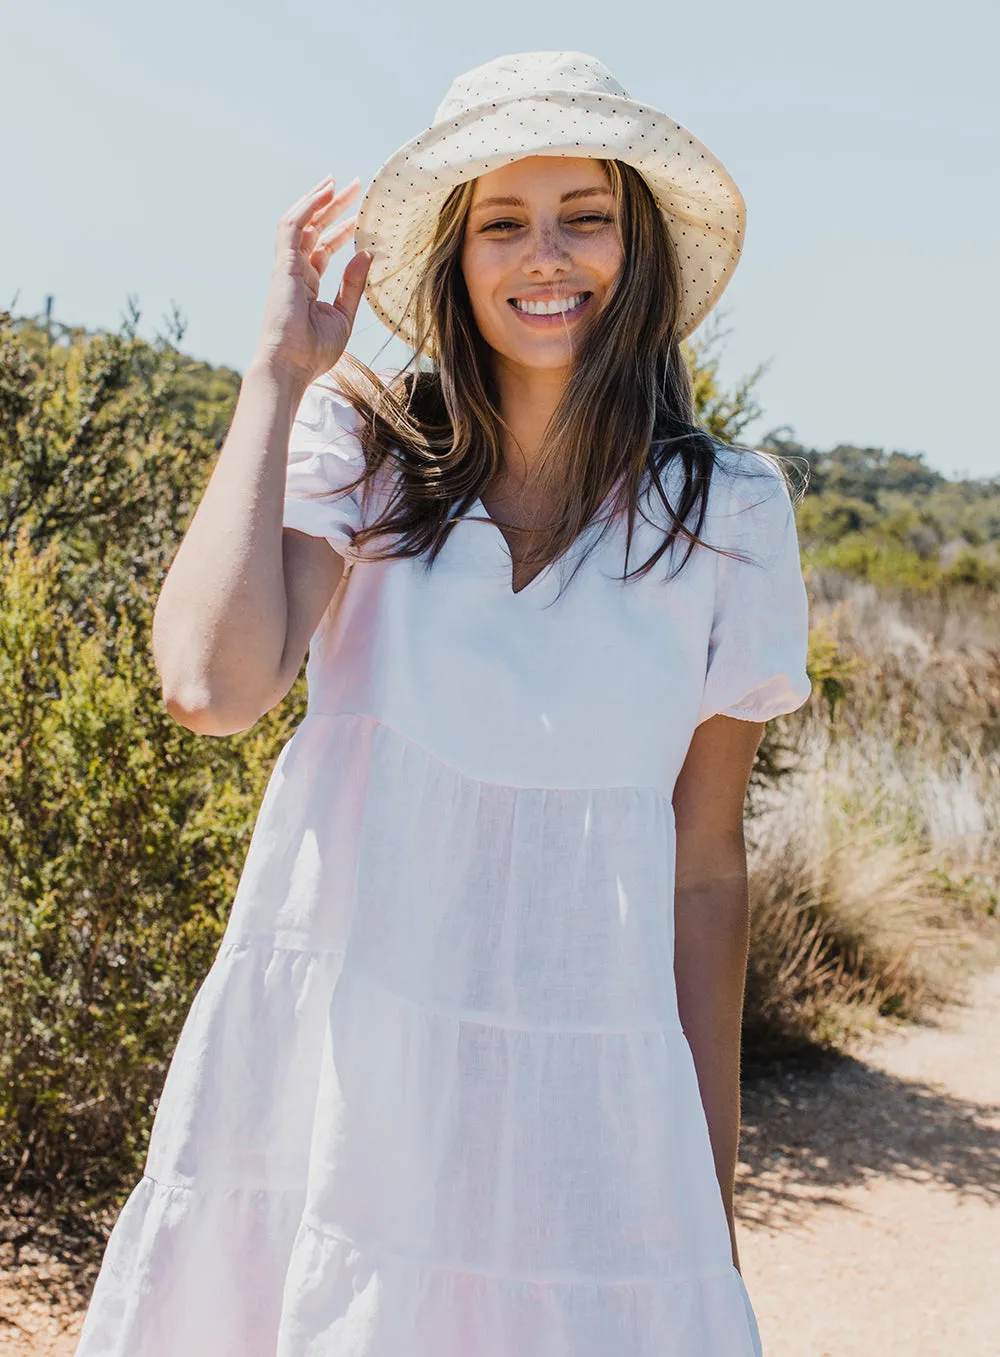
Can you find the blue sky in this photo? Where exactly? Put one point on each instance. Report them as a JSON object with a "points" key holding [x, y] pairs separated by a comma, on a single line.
{"points": [[151, 150]]}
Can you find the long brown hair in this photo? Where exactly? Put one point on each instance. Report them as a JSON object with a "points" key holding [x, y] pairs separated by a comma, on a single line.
{"points": [[627, 410]]}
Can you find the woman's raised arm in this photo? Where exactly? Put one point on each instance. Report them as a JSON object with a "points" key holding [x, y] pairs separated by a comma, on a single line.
{"points": [[243, 595]]}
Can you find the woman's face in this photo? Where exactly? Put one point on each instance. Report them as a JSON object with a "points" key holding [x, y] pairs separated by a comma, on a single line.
{"points": [[541, 230]]}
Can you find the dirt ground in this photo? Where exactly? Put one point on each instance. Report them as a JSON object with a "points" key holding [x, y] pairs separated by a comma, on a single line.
{"points": [[868, 1200], [869, 1195]]}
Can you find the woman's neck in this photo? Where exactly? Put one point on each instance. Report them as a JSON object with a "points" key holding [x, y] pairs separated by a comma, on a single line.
{"points": [[528, 399]]}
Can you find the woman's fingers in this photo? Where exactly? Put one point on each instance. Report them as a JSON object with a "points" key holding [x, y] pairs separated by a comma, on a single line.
{"points": [[346, 194], [321, 190], [308, 333], [298, 217], [301, 214], [324, 215], [332, 240], [293, 223], [299, 228], [310, 194], [352, 285], [327, 179]]}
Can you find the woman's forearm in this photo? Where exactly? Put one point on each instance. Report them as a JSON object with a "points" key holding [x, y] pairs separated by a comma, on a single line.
{"points": [[219, 626], [711, 942]]}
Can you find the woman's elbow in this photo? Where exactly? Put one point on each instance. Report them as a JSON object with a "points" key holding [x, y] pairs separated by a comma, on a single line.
{"points": [[196, 709]]}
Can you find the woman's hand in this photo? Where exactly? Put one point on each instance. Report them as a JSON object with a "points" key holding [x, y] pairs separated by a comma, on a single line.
{"points": [[302, 335]]}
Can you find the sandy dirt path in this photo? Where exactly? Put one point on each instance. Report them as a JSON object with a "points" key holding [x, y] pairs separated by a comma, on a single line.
{"points": [[868, 1200], [869, 1195]]}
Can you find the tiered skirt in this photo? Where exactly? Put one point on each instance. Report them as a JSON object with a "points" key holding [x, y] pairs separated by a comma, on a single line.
{"points": [[433, 1098]]}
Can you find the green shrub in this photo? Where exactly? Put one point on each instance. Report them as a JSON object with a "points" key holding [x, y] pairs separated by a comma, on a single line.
{"points": [[885, 563], [121, 839], [970, 568], [105, 444]]}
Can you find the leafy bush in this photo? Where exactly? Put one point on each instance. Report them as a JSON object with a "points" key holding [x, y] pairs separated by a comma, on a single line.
{"points": [[970, 568], [886, 563], [105, 445], [121, 836]]}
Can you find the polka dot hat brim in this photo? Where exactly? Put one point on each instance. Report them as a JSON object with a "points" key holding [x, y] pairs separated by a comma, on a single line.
{"points": [[547, 103]]}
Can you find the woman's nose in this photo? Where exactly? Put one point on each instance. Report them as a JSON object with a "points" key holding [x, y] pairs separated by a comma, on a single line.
{"points": [[546, 249]]}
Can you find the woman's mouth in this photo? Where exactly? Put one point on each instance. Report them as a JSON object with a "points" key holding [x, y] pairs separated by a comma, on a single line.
{"points": [[547, 313]]}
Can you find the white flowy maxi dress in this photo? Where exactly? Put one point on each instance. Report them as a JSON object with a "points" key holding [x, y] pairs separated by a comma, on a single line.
{"points": [[433, 1097]]}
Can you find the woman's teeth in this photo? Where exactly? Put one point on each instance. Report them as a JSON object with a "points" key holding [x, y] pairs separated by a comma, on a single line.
{"points": [[550, 308]]}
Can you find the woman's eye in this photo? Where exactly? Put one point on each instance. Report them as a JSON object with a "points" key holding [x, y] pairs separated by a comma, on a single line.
{"points": [[587, 218]]}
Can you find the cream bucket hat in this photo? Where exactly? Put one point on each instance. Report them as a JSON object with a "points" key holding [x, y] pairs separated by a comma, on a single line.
{"points": [[547, 103]]}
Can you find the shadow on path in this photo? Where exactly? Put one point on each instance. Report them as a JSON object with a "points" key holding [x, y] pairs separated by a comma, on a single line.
{"points": [[808, 1134]]}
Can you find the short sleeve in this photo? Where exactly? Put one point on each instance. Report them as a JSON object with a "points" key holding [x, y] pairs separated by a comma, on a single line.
{"points": [[760, 626], [324, 455]]}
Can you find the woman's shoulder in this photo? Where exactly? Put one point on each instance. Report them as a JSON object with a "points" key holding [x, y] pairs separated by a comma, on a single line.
{"points": [[741, 500], [738, 479], [746, 471], [750, 489], [751, 504]]}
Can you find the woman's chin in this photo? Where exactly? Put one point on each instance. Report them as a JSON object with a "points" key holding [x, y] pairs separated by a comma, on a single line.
{"points": [[549, 353]]}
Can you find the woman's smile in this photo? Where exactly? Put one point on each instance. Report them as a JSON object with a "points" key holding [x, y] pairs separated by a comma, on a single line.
{"points": [[541, 313]]}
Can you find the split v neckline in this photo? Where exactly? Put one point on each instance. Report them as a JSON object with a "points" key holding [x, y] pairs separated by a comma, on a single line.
{"points": [[478, 507]]}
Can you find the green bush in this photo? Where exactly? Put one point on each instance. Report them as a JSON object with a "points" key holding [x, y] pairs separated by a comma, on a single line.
{"points": [[105, 444], [970, 568], [122, 835], [885, 563], [121, 838]]}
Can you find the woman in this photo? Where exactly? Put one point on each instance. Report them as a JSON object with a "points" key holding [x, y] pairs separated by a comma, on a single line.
{"points": [[463, 1080]]}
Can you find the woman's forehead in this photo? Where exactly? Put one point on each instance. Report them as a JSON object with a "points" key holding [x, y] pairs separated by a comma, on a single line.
{"points": [[533, 173]]}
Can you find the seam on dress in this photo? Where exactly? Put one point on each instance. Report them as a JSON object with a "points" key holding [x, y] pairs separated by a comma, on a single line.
{"points": [[483, 781], [310, 1222], [464, 1016], [216, 1189], [253, 939]]}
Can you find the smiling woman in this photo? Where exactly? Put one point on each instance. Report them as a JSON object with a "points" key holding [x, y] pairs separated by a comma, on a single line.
{"points": [[464, 1076], [534, 414]]}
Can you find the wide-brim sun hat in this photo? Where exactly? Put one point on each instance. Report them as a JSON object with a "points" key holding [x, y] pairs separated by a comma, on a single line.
{"points": [[558, 104]]}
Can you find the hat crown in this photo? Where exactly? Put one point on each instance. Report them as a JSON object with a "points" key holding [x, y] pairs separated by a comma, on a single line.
{"points": [[527, 73]]}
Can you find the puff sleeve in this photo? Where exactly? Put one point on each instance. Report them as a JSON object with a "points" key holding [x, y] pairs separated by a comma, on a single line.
{"points": [[760, 626], [324, 455]]}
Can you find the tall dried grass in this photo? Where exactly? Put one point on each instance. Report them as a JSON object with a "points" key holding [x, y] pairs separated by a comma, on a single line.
{"points": [[875, 863]]}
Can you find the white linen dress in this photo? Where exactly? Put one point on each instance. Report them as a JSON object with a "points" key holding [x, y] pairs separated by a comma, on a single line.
{"points": [[433, 1097]]}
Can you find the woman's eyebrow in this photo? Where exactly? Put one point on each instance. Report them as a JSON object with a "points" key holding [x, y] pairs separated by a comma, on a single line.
{"points": [[572, 194]]}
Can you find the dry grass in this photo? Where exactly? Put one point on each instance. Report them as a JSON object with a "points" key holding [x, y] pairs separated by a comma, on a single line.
{"points": [[875, 863]]}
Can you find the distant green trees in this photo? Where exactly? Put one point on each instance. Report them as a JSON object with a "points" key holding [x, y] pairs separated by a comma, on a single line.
{"points": [[890, 519]]}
